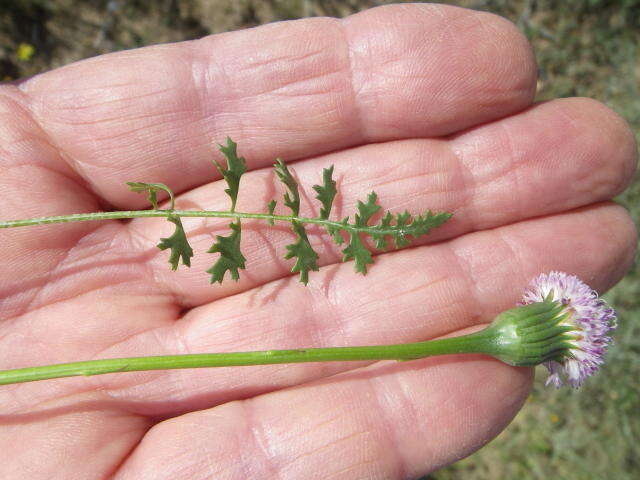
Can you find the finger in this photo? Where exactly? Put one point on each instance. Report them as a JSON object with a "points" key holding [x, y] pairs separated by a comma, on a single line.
{"points": [[553, 157], [34, 181], [70, 266], [76, 437], [290, 89], [413, 295], [386, 422]]}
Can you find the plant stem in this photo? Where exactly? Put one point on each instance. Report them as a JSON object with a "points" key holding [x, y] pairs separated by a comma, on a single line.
{"points": [[119, 215], [479, 342]]}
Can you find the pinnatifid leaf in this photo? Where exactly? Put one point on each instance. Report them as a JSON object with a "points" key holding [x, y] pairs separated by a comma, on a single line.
{"points": [[231, 258], [398, 228], [292, 197], [326, 192], [180, 248], [152, 189], [306, 257], [393, 229], [271, 206], [236, 167]]}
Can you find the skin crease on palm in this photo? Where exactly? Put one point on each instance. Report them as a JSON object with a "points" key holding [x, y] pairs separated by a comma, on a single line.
{"points": [[430, 106]]}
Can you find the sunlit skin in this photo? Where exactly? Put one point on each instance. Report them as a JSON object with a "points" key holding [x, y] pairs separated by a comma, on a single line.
{"points": [[430, 106]]}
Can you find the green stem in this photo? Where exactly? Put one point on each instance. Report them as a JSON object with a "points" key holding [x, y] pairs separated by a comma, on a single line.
{"points": [[479, 342], [119, 215]]}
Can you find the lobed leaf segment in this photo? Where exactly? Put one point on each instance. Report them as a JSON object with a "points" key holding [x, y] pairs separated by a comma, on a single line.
{"points": [[178, 243], [231, 259], [398, 228]]}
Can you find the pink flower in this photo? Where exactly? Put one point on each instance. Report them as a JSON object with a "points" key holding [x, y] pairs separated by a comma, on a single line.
{"points": [[590, 319]]}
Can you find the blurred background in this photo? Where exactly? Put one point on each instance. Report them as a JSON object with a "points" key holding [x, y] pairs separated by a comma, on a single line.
{"points": [[584, 48]]}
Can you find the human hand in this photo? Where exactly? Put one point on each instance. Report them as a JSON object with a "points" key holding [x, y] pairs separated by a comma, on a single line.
{"points": [[428, 105]]}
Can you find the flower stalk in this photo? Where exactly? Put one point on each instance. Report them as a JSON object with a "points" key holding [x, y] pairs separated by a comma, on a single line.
{"points": [[478, 342], [560, 323], [522, 336]]}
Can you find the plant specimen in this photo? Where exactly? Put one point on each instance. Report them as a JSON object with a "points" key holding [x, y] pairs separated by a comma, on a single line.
{"points": [[560, 323]]}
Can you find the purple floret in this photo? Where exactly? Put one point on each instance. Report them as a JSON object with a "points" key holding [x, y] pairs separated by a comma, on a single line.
{"points": [[589, 315]]}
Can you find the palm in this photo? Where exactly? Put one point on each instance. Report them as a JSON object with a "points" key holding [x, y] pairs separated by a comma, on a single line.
{"points": [[526, 188]]}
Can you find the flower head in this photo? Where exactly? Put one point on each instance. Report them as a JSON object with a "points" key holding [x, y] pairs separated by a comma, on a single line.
{"points": [[589, 318]]}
